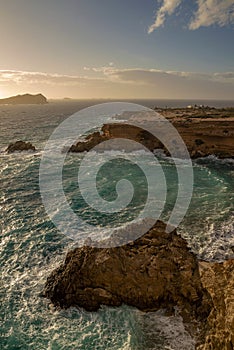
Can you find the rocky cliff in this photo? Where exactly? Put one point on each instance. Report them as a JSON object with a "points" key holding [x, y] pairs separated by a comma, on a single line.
{"points": [[156, 271], [24, 99]]}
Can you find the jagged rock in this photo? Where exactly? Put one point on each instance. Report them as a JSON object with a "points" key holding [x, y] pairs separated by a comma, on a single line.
{"points": [[115, 131], [91, 141], [19, 146], [156, 271], [24, 99]]}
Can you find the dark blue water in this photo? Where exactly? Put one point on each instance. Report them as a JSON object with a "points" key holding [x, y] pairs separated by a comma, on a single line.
{"points": [[31, 246]]}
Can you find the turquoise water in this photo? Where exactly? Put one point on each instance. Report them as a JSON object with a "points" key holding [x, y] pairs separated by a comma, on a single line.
{"points": [[31, 246]]}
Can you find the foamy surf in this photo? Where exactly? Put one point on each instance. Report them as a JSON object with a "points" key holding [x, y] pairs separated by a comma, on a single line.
{"points": [[31, 246]]}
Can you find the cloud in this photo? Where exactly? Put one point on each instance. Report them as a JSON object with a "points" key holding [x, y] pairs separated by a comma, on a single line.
{"points": [[110, 81], [177, 85], [220, 12], [24, 77], [209, 12], [226, 75], [168, 7], [104, 69], [173, 84], [109, 74], [150, 76]]}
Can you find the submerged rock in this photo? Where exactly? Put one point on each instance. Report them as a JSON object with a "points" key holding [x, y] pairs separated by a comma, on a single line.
{"points": [[20, 146]]}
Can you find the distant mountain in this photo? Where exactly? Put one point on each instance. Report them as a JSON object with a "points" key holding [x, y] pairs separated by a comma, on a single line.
{"points": [[24, 99]]}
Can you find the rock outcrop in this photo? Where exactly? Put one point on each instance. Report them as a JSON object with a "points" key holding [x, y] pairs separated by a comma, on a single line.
{"points": [[203, 136], [218, 280], [91, 141], [20, 146], [156, 271], [24, 99]]}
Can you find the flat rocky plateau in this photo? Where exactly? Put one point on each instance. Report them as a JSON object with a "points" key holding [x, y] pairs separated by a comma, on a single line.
{"points": [[205, 132]]}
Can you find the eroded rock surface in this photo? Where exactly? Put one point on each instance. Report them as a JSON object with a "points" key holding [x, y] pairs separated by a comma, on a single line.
{"points": [[156, 271], [218, 280], [204, 134]]}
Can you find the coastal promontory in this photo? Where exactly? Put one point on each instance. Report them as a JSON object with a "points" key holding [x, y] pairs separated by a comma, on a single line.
{"points": [[205, 132], [24, 99]]}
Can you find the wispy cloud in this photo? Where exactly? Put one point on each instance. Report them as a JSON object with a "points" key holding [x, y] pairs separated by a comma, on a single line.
{"points": [[108, 73], [208, 12], [225, 77], [168, 8], [220, 12], [104, 69], [149, 76], [124, 83], [24, 77]]}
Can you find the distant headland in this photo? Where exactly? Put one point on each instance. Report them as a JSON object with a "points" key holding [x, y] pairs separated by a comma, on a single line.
{"points": [[25, 99]]}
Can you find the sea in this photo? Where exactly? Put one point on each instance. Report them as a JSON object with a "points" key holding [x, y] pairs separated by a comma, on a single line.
{"points": [[32, 246]]}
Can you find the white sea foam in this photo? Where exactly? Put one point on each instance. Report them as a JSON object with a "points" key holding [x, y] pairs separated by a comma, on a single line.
{"points": [[31, 247], [167, 332]]}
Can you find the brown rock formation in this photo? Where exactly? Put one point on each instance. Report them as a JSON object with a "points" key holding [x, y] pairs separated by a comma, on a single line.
{"points": [[155, 271], [116, 130], [91, 141], [207, 136], [20, 146], [218, 280], [203, 136]]}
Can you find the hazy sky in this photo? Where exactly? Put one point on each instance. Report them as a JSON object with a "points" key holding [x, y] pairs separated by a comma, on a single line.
{"points": [[117, 48]]}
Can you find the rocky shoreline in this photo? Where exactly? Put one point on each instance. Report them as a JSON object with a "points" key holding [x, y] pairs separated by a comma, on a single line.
{"points": [[156, 271], [205, 132], [218, 280]]}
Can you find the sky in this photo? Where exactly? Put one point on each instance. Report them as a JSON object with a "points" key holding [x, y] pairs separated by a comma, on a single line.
{"points": [[120, 49]]}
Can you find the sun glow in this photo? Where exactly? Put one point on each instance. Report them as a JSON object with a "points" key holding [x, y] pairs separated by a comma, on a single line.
{"points": [[3, 93]]}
